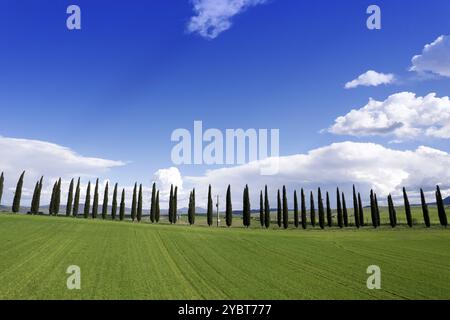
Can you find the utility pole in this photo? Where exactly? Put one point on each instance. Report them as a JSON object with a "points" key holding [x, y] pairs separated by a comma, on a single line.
{"points": [[217, 207]]}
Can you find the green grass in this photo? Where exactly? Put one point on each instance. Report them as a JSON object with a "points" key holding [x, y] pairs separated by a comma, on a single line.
{"points": [[121, 260]]}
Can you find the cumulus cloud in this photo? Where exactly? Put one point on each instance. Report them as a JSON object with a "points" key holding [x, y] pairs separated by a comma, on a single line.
{"points": [[212, 17], [435, 58], [370, 79], [39, 158], [164, 178], [367, 165], [402, 115]]}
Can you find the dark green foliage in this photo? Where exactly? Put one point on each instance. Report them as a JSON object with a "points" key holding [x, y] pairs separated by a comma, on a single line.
{"points": [[175, 205], [441, 208], [57, 198], [139, 205], [285, 209], [261, 209], [246, 207], [355, 208], [170, 211], [191, 208], [122, 206], [114, 203], [329, 215], [312, 210], [87, 202], [2, 181], [340, 219], [51, 207], [153, 204], [373, 210], [377, 210], [344, 210], [266, 208], [18, 194], [321, 209], [157, 211], [105, 201], [33, 200], [209, 213], [134, 203], [303, 209], [426, 214], [392, 213], [279, 209], [69, 199], [296, 218], [95, 202], [76, 200], [407, 209], [229, 208], [361, 211]]}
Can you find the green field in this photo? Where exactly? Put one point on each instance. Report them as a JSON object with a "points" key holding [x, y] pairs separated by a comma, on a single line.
{"points": [[123, 260]]}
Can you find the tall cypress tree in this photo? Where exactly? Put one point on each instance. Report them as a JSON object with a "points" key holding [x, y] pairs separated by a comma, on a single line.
{"points": [[157, 211], [441, 207], [321, 209], [285, 210], [296, 218], [373, 213], [361, 211], [2, 181], [153, 203], [133, 203], [266, 208], [426, 214], [114, 203], [57, 201], [139, 205], [279, 209], [229, 208], [37, 203], [175, 205], [95, 202], [407, 209], [261, 210], [329, 214], [247, 207], [33, 201], [355, 208], [76, 201], [193, 206], [344, 210], [303, 209], [209, 213], [190, 220], [312, 210], [392, 213], [51, 207], [377, 210], [339, 209], [170, 210], [244, 207], [122, 206], [87, 202], [105, 201], [69, 199], [18, 194]]}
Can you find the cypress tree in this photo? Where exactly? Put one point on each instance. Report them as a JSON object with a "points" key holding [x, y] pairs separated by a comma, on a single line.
{"points": [[303, 208], [285, 210], [426, 214], [361, 211], [114, 203], [175, 205], [33, 201], [209, 213], [157, 211], [339, 209], [76, 201], [139, 205], [193, 206], [190, 209], [229, 208], [87, 202], [377, 210], [133, 203], [344, 210], [95, 202], [407, 209], [312, 210], [247, 207], [2, 181], [57, 201], [37, 202], [321, 209], [69, 199], [296, 218], [153, 203], [392, 213], [105, 201], [373, 213], [244, 207], [169, 211], [18, 194], [329, 215], [266, 208], [51, 207], [441, 208], [279, 209], [261, 210], [355, 208], [122, 206]]}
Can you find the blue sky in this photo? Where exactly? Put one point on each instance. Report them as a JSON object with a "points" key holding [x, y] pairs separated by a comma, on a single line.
{"points": [[118, 88]]}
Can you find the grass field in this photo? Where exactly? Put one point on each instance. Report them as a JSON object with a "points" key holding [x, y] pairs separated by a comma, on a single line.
{"points": [[143, 261]]}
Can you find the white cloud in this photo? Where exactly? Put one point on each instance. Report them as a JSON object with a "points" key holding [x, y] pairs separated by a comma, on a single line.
{"points": [[40, 158], [367, 165], [370, 79], [435, 58], [164, 178], [403, 115], [212, 17]]}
